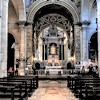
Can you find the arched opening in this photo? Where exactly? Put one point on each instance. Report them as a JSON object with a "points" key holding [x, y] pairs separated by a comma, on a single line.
{"points": [[52, 15], [51, 9], [11, 52], [60, 15], [39, 10], [93, 48]]}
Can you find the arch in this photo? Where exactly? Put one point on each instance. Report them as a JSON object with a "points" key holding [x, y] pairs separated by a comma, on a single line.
{"points": [[14, 36], [39, 4], [21, 10], [10, 60], [14, 8], [93, 48], [93, 3], [19, 7], [91, 35]]}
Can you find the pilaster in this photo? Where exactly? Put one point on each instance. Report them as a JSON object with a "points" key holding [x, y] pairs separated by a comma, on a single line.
{"points": [[84, 42], [0, 29], [85, 10], [77, 46], [3, 37], [98, 17], [22, 59], [29, 43]]}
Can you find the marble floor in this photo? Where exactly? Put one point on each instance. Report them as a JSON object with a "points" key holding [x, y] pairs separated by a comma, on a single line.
{"points": [[52, 90]]}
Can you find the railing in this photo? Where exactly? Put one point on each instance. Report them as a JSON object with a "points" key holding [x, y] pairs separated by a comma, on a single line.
{"points": [[42, 72]]}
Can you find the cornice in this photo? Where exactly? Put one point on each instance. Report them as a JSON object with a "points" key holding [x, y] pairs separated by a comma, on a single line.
{"points": [[25, 23], [83, 23]]}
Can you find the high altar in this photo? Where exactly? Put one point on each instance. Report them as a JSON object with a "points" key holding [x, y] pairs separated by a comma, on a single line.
{"points": [[54, 48]]}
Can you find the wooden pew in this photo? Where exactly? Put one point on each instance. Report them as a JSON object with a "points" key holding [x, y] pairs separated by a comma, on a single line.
{"points": [[92, 91], [7, 90], [30, 79], [32, 82], [78, 86], [28, 84]]}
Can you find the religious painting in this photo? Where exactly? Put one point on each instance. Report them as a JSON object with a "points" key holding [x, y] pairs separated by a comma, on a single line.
{"points": [[53, 49]]}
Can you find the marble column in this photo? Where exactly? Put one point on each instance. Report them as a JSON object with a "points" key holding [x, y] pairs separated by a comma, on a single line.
{"points": [[3, 38], [22, 66], [98, 17]]}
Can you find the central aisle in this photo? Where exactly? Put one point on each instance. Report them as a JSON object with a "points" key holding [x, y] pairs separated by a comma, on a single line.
{"points": [[52, 90]]}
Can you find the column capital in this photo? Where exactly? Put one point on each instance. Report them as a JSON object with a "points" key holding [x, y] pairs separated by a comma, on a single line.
{"points": [[77, 27]]}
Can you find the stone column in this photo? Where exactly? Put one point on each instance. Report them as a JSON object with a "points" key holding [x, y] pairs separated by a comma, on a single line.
{"points": [[77, 46], [0, 29], [98, 17], [3, 37], [22, 66], [84, 10], [84, 47], [84, 42]]}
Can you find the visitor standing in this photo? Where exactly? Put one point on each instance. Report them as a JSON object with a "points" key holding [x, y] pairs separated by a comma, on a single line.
{"points": [[10, 71]]}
